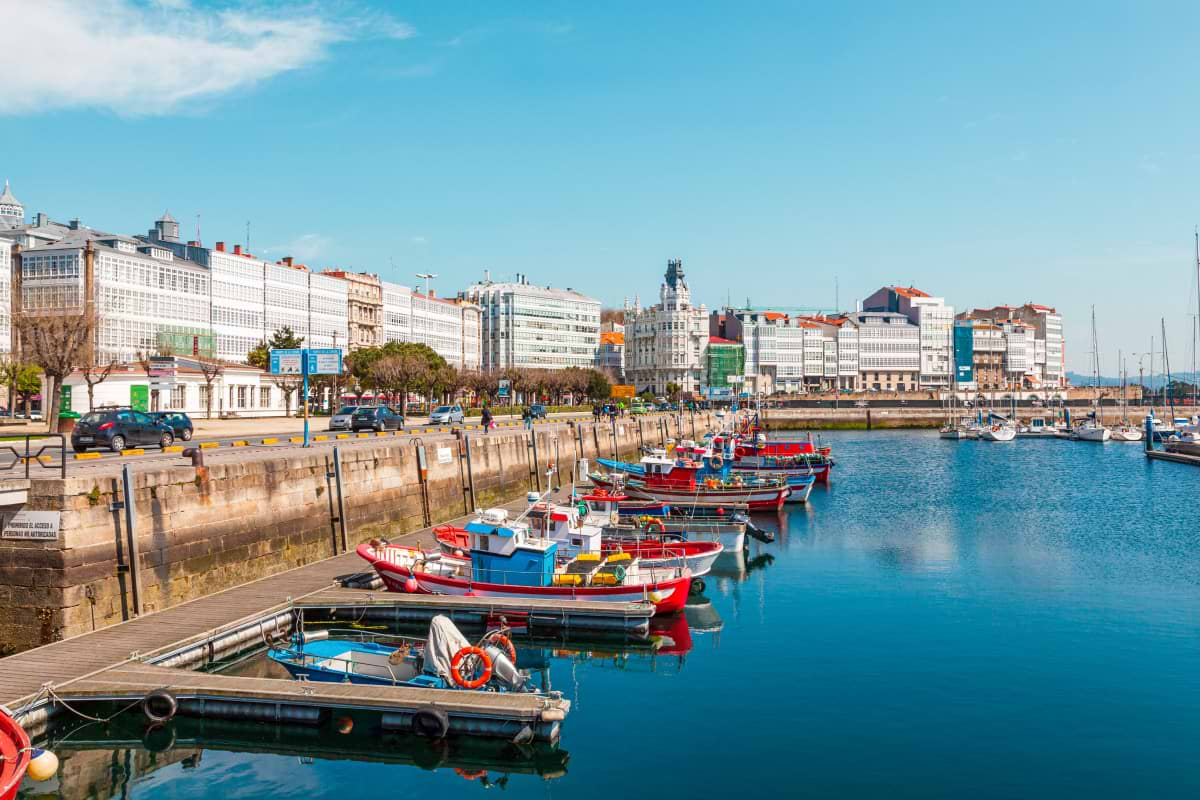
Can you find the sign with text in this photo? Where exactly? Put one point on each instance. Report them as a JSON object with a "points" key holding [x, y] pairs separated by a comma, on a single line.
{"points": [[623, 391], [503, 388], [286, 362], [324, 361], [445, 455], [36, 525]]}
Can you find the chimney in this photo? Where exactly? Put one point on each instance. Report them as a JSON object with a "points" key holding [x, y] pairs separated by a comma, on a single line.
{"points": [[42, 219], [433, 293], [237, 249], [73, 224], [220, 247], [287, 260]]}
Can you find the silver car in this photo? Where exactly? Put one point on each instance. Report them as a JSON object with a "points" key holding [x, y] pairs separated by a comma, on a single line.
{"points": [[446, 415], [341, 420]]}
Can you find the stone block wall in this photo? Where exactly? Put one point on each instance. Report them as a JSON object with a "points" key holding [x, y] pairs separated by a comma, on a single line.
{"points": [[201, 530]]}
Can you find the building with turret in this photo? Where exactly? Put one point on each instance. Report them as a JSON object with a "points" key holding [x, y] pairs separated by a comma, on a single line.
{"points": [[666, 343]]}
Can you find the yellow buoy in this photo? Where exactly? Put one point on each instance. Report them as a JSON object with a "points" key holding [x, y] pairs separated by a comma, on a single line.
{"points": [[42, 765]]}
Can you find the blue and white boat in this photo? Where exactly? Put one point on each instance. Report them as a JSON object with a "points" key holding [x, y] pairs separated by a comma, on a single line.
{"points": [[445, 660]]}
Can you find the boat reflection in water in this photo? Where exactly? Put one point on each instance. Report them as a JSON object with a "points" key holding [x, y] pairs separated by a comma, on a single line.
{"points": [[90, 752], [737, 568]]}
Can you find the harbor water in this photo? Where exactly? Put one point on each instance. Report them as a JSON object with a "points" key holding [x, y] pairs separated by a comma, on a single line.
{"points": [[946, 619]]}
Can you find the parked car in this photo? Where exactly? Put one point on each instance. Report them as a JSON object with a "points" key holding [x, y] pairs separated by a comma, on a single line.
{"points": [[119, 428], [446, 415], [375, 418], [340, 421], [538, 410], [179, 423], [639, 407]]}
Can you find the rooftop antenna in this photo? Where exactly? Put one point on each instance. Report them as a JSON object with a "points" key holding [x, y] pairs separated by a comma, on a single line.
{"points": [[248, 250], [198, 239]]}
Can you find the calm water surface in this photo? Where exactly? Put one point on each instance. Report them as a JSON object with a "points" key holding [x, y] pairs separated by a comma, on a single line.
{"points": [[946, 620]]}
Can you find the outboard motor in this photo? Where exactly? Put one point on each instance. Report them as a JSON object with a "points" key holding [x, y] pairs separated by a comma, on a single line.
{"points": [[504, 671]]}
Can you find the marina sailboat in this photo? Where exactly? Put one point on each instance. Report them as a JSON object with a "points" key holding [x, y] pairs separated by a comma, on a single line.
{"points": [[1092, 429]]}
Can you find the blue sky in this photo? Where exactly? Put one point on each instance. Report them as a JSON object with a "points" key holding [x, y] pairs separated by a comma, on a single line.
{"points": [[1034, 151]]}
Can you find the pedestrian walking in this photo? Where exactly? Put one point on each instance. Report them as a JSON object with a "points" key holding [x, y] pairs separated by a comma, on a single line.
{"points": [[527, 417], [486, 419]]}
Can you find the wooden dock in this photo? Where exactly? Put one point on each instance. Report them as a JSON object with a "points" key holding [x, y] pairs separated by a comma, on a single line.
{"points": [[539, 614], [276, 700], [1178, 458], [119, 661]]}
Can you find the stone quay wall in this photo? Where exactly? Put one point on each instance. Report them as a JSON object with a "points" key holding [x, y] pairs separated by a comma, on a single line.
{"points": [[256, 513]]}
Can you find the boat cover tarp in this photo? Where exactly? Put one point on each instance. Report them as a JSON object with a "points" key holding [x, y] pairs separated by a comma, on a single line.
{"points": [[622, 466], [444, 641]]}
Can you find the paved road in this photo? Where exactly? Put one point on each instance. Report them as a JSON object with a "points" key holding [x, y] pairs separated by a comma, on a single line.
{"points": [[98, 460]]}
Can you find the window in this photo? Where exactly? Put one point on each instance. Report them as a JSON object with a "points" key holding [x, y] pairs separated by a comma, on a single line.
{"points": [[264, 397], [179, 396]]}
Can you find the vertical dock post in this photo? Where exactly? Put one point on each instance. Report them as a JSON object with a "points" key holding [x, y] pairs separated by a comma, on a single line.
{"points": [[1149, 432], [341, 500], [466, 439], [133, 558], [537, 476]]}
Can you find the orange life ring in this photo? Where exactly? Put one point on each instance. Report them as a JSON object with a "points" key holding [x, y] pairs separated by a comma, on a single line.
{"points": [[995, 428], [456, 662], [471, 776], [740, 452], [505, 644], [654, 523]]}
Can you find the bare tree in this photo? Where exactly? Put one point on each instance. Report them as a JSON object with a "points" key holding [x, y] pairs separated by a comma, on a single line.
{"points": [[93, 375], [210, 371], [56, 341], [401, 373], [10, 368], [289, 385]]}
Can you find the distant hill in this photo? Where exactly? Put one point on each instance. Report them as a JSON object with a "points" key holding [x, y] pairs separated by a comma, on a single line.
{"points": [[1079, 379]]}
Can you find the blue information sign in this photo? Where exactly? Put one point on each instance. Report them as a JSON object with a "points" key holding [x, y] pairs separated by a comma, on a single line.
{"points": [[324, 361], [286, 362]]}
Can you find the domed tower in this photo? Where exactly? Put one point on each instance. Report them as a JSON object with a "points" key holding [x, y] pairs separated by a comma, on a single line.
{"points": [[12, 213], [167, 228]]}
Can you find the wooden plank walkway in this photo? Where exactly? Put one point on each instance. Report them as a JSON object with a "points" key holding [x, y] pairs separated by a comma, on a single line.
{"points": [[134, 681], [23, 675], [583, 615]]}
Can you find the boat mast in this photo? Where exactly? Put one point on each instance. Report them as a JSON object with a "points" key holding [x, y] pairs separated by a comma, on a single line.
{"points": [[1196, 325], [1096, 365], [1170, 400]]}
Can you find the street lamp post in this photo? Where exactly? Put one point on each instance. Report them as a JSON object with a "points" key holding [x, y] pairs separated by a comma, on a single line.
{"points": [[427, 277]]}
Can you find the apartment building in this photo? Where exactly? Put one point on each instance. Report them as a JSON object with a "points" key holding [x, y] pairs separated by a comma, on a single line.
{"points": [[935, 321], [889, 351], [364, 307], [524, 325]]}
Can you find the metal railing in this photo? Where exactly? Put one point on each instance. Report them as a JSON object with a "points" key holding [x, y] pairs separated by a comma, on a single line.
{"points": [[29, 456]]}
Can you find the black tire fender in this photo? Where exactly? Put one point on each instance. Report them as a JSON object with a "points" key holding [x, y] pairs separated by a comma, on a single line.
{"points": [[432, 723], [160, 706]]}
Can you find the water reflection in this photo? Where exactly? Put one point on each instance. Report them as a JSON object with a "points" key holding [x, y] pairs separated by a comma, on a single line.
{"points": [[108, 760]]}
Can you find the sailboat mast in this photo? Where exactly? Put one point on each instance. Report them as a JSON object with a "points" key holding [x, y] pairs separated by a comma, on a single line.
{"points": [[1170, 398], [1196, 326]]}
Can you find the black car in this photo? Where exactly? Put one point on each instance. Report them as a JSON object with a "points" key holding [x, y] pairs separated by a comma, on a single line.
{"points": [[375, 418], [538, 411], [179, 423], [119, 428]]}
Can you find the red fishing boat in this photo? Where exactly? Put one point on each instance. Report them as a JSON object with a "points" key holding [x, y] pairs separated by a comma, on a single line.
{"points": [[678, 483], [505, 560]]}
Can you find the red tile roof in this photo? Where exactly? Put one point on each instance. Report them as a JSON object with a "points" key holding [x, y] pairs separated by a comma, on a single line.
{"points": [[613, 337], [910, 291], [719, 340], [774, 315]]}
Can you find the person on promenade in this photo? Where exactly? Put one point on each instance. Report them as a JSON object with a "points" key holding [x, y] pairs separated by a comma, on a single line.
{"points": [[527, 417], [597, 410], [486, 419]]}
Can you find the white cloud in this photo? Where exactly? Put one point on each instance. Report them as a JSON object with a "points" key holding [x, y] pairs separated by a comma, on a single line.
{"points": [[308, 247], [156, 56]]}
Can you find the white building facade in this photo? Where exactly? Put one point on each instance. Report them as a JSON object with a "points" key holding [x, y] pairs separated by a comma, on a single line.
{"points": [[666, 343], [935, 320], [451, 328], [528, 326], [889, 351]]}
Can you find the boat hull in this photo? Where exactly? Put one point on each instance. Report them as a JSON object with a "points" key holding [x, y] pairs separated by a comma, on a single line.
{"points": [[748, 497], [14, 747], [698, 556], [668, 596], [1093, 435], [999, 433]]}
